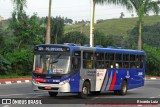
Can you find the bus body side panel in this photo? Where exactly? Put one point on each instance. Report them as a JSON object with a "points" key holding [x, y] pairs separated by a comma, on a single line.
{"points": [[119, 76], [74, 82], [89, 75], [137, 78], [107, 81], [113, 80]]}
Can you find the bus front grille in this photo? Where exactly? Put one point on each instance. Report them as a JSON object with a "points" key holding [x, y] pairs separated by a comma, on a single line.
{"points": [[43, 88]]}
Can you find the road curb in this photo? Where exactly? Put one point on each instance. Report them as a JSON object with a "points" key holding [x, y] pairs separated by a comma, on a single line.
{"points": [[152, 78], [15, 80]]}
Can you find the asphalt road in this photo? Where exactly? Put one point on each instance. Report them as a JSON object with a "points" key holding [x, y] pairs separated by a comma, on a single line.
{"points": [[24, 90]]}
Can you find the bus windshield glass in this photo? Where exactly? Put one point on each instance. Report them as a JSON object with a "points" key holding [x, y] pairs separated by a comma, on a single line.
{"points": [[56, 63]]}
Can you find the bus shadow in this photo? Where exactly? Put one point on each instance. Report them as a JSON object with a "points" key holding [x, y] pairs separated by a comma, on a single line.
{"points": [[74, 96]]}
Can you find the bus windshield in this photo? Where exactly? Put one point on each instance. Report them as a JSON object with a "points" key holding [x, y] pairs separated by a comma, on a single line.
{"points": [[56, 63]]}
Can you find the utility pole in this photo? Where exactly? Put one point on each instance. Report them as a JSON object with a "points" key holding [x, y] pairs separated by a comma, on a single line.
{"points": [[48, 33], [92, 3]]}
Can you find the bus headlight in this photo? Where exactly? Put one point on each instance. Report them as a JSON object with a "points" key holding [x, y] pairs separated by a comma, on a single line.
{"points": [[33, 80], [64, 82], [38, 80]]}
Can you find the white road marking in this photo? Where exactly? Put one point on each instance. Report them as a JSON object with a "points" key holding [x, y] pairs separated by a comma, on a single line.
{"points": [[151, 97], [153, 78], [6, 106], [139, 105], [27, 81], [19, 82], [8, 82]]}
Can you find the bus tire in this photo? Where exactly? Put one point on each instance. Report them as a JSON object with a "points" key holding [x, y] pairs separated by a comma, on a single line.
{"points": [[124, 88], [85, 90], [53, 94]]}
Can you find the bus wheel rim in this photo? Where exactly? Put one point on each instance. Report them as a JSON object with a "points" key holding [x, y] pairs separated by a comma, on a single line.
{"points": [[124, 88], [85, 90]]}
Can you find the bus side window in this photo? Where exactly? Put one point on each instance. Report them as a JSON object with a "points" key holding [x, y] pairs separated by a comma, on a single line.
{"points": [[106, 65], [76, 60], [109, 60], [126, 64], [99, 60], [139, 61], [126, 60], [118, 59], [88, 60], [76, 63]]}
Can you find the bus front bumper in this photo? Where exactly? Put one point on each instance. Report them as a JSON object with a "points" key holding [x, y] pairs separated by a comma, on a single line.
{"points": [[51, 87]]}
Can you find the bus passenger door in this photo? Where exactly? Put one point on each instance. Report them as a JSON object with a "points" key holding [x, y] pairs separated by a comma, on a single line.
{"points": [[75, 71]]}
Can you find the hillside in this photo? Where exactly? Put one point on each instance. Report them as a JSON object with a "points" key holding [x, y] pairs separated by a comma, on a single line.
{"points": [[114, 26]]}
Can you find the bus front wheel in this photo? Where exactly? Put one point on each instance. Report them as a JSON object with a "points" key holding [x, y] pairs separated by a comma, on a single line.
{"points": [[124, 88], [85, 90], [52, 94]]}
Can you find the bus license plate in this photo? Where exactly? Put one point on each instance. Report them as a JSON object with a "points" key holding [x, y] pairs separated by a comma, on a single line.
{"points": [[48, 87]]}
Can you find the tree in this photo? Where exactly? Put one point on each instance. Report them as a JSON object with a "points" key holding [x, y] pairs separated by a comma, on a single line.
{"points": [[1, 39], [150, 34], [5, 66], [153, 60], [75, 37], [68, 21], [143, 7], [101, 39], [102, 2], [28, 30], [122, 15], [19, 8], [47, 38], [57, 29]]}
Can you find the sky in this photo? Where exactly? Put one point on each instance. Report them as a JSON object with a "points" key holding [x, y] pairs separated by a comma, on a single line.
{"points": [[74, 9]]}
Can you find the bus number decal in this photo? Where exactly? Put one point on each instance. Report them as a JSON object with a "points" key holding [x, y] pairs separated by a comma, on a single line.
{"points": [[128, 75]]}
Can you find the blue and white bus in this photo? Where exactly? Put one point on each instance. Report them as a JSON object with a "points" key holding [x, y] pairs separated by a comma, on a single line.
{"points": [[68, 68]]}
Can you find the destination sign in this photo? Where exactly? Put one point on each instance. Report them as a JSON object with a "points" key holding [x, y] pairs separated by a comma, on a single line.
{"points": [[55, 49]]}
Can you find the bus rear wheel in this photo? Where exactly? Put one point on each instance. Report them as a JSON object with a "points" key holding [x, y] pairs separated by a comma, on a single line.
{"points": [[85, 90], [53, 94], [124, 88]]}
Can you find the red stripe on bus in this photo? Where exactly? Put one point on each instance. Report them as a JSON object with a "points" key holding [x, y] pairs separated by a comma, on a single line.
{"points": [[113, 81]]}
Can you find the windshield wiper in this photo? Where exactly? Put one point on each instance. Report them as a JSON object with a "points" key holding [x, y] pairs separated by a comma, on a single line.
{"points": [[54, 62], [58, 56]]}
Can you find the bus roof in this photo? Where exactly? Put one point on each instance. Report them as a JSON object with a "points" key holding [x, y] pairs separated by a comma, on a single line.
{"points": [[98, 49]]}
